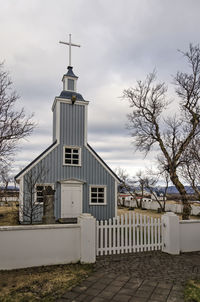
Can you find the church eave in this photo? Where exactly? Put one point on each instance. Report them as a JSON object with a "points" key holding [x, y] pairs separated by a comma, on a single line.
{"points": [[35, 160]]}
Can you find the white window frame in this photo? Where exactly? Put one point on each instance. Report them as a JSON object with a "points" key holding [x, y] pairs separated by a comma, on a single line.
{"points": [[105, 195], [79, 156], [44, 185]]}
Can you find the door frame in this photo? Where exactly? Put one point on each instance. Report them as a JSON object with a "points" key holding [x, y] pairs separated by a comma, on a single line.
{"points": [[69, 182]]}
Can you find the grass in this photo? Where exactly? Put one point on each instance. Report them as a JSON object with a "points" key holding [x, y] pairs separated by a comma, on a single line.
{"points": [[150, 213], [192, 291], [45, 283], [9, 215]]}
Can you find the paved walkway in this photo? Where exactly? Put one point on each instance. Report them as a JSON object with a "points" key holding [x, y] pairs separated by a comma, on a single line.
{"points": [[139, 277]]}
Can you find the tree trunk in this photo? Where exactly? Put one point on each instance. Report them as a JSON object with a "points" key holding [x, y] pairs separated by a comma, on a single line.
{"points": [[179, 186]]}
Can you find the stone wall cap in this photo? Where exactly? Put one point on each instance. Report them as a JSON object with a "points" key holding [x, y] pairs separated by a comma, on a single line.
{"points": [[36, 227]]}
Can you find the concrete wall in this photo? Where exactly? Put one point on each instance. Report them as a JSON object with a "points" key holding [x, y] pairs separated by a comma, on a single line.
{"points": [[189, 235], [180, 235], [26, 246], [153, 205]]}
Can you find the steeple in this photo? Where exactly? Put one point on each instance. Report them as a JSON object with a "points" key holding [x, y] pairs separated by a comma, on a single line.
{"points": [[69, 80]]}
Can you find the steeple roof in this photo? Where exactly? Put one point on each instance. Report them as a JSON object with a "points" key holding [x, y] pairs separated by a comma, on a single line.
{"points": [[70, 73]]}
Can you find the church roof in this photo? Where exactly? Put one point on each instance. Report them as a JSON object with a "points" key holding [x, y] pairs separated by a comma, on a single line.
{"points": [[38, 157], [70, 73], [65, 94]]}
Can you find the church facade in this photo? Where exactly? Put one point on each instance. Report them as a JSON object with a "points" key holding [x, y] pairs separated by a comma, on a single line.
{"points": [[82, 181]]}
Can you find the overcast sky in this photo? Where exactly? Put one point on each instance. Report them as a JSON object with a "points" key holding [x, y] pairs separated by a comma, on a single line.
{"points": [[121, 41]]}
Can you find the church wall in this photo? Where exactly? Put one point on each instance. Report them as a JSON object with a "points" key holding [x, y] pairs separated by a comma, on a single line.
{"points": [[72, 121], [91, 172], [54, 125]]}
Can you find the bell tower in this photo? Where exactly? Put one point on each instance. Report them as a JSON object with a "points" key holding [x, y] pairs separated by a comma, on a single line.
{"points": [[70, 110], [70, 80]]}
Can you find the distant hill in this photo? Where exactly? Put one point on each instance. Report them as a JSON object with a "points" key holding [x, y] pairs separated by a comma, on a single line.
{"points": [[173, 190], [170, 190]]}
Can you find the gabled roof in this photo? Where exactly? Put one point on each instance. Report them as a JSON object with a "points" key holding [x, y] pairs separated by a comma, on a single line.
{"points": [[103, 162], [38, 157], [54, 143]]}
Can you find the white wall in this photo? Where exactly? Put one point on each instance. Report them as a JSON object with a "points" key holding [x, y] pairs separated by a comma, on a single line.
{"points": [[180, 235], [36, 245], [153, 205], [189, 235]]}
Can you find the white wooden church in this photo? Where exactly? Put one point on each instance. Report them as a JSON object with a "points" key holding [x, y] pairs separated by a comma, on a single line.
{"points": [[82, 181]]}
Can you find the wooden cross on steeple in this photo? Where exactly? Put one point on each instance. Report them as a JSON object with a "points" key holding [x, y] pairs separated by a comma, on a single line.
{"points": [[70, 44]]}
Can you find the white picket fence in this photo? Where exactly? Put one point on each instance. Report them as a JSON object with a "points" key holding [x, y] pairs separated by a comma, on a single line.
{"points": [[129, 233]]}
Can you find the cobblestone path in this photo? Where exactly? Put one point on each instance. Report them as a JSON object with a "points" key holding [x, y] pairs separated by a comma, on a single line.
{"points": [[139, 277]]}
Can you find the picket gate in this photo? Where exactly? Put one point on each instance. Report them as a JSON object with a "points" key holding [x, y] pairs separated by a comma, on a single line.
{"points": [[127, 234]]}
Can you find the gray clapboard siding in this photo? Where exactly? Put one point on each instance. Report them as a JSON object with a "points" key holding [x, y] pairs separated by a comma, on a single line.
{"points": [[56, 171], [72, 125]]}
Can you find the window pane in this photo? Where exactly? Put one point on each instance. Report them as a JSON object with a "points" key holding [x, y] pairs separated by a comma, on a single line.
{"points": [[40, 199], [93, 189], [101, 195], [39, 193], [70, 84], [101, 189], [94, 194], [94, 200], [75, 162], [75, 155], [67, 155], [101, 200], [68, 161], [67, 150], [75, 150], [39, 188]]}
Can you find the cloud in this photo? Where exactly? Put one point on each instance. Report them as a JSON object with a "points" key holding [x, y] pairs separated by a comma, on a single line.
{"points": [[121, 41]]}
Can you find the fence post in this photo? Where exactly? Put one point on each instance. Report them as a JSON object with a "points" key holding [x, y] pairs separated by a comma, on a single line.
{"points": [[88, 235], [170, 233]]}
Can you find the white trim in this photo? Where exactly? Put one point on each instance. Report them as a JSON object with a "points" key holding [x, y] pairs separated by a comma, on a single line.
{"points": [[86, 126], [67, 101], [79, 153], [58, 123], [105, 195], [65, 87], [65, 83], [43, 185], [21, 199], [116, 198], [66, 183], [71, 181], [102, 164]]}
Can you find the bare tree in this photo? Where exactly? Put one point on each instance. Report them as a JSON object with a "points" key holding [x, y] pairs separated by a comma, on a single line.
{"points": [[32, 206], [5, 178], [190, 168], [151, 183], [173, 135], [128, 184], [14, 125]]}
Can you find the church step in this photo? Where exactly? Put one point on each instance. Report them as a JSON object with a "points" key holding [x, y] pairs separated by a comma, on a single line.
{"points": [[67, 220]]}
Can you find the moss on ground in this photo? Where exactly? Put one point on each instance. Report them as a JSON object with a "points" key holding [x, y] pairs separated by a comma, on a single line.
{"points": [[45, 283], [192, 291]]}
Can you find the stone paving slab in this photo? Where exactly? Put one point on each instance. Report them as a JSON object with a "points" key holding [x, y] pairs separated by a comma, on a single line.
{"points": [[139, 277]]}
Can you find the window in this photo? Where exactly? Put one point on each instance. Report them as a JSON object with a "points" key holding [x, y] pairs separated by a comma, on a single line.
{"points": [[70, 84], [72, 156], [98, 195], [39, 191]]}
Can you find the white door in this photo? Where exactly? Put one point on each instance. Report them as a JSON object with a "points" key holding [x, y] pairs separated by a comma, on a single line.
{"points": [[71, 200]]}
